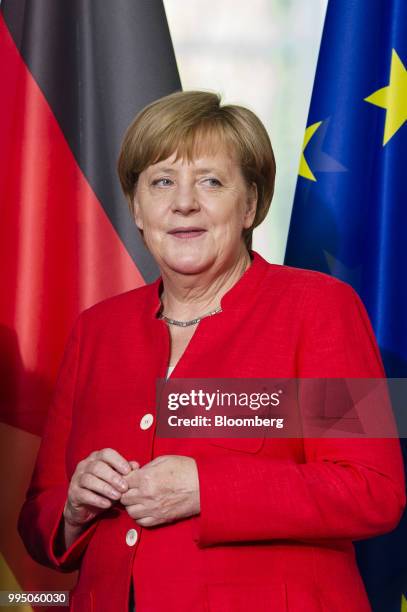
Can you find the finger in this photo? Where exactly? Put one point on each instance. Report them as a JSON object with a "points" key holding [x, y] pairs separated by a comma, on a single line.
{"points": [[93, 483], [149, 521], [134, 465], [104, 472], [132, 496], [133, 479], [84, 497], [114, 459], [137, 511]]}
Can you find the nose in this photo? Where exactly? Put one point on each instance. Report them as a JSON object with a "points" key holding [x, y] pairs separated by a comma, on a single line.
{"points": [[185, 200]]}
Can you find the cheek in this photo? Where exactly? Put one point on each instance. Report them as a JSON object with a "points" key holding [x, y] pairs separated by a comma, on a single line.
{"points": [[231, 216], [145, 217], [138, 220]]}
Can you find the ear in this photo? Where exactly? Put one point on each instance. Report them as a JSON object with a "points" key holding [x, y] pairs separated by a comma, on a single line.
{"points": [[251, 205], [137, 213]]}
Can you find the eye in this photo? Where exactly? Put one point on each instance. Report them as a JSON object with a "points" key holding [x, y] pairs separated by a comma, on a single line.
{"points": [[162, 182], [213, 182]]}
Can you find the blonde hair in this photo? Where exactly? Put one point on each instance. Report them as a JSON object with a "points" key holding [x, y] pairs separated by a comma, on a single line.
{"points": [[190, 122]]}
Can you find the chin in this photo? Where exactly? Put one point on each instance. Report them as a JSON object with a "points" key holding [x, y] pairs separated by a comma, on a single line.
{"points": [[188, 263]]}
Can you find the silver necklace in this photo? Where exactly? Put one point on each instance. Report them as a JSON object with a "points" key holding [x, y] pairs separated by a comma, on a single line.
{"points": [[192, 321]]}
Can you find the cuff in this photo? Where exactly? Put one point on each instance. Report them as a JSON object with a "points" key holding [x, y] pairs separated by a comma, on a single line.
{"points": [[69, 559]]}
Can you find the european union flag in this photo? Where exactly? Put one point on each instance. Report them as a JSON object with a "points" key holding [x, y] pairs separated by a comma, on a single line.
{"points": [[350, 210]]}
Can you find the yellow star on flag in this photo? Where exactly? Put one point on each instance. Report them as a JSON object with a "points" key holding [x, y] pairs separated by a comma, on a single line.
{"points": [[304, 170], [393, 98], [403, 604]]}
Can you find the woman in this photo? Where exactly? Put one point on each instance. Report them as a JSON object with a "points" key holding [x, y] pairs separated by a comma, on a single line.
{"points": [[207, 524]]}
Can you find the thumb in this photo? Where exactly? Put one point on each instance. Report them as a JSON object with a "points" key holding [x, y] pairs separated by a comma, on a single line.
{"points": [[134, 465]]}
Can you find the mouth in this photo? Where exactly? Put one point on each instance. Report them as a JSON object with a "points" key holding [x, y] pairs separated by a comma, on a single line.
{"points": [[187, 232]]}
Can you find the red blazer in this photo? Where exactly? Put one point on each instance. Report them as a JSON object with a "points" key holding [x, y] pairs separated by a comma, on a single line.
{"points": [[277, 516]]}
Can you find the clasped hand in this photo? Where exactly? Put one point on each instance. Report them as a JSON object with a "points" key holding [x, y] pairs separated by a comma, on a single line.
{"points": [[164, 490]]}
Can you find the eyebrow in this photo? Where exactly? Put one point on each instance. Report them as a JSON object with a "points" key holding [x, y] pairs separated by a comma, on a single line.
{"points": [[169, 170]]}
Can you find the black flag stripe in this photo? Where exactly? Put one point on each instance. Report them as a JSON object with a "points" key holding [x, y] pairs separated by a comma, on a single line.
{"points": [[98, 63]]}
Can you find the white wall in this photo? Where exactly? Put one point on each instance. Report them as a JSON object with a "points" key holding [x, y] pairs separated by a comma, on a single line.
{"points": [[261, 54]]}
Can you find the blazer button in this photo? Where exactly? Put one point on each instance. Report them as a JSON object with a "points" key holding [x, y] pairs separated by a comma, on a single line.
{"points": [[146, 421], [131, 537]]}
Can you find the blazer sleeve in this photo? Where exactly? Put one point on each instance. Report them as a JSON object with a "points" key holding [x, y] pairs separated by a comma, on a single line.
{"points": [[346, 488], [41, 517]]}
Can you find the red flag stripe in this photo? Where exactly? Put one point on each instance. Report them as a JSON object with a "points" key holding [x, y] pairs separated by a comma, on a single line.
{"points": [[59, 252]]}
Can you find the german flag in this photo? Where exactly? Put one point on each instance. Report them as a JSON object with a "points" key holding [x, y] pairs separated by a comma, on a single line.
{"points": [[73, 74]]}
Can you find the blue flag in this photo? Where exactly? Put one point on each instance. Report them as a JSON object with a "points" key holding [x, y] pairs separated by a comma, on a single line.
{"points": [[350, 209]]}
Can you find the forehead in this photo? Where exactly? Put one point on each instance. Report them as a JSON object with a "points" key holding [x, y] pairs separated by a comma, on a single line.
{"points": [[222, 160], [209, 142]]}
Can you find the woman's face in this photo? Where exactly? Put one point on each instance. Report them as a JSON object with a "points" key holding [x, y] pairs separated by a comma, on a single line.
{"points": [[192, 213]]}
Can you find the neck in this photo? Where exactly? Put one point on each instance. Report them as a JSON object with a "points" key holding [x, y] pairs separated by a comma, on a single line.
{"points": [[188, 296]]}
